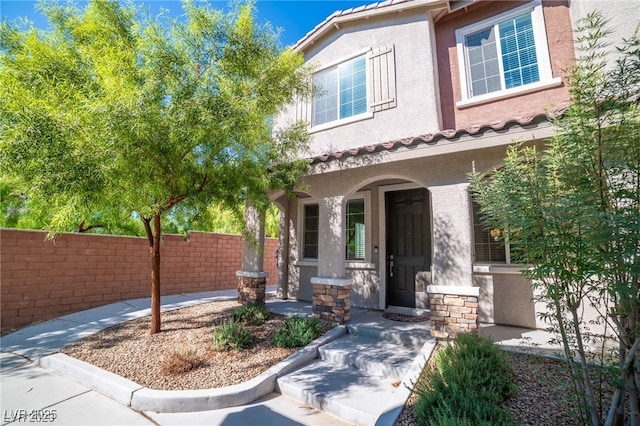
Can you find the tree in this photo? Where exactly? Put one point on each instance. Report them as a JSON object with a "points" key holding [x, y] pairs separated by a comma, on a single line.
{"points": [[117, 114], [572, 213]]}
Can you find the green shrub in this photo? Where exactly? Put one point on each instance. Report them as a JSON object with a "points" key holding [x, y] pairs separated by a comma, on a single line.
{"points": [[466, 386], [231, 335], [251, 314], [297, 332]]}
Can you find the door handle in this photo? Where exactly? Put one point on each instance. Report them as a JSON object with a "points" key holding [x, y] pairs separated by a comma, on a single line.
{"points": [[391, 265]]}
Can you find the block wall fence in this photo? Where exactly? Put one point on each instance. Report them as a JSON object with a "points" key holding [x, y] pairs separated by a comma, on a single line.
{"points": [[41, 279]]}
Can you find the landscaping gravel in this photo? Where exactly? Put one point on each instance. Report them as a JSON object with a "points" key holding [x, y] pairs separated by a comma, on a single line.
{"points": [[185, 340], [543, 397]]}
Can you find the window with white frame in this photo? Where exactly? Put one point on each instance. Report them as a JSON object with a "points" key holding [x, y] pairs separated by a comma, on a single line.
{"points": [[355, 237], [355, 228], [505, 54], [341, 92]]}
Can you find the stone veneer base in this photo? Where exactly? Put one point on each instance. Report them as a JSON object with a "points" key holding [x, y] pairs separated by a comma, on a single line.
{"points": [[332, 302], [251, 287], [452, 314]]}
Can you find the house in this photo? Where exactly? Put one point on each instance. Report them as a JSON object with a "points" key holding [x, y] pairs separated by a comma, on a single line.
{"points": [[415, 94]]}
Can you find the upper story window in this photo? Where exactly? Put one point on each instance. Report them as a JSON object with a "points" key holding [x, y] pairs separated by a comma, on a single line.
{"points": [[351, 89], [504, 55], [342, 92]]}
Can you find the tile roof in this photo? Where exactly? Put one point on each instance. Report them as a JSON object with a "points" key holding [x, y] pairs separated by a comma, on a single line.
{"points": [[442, 136]]}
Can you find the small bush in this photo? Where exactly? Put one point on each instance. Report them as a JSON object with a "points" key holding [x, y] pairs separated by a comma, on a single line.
{"points": [[466, 385], [296, 332], [181, 361], [231, 335], [251, 314]]}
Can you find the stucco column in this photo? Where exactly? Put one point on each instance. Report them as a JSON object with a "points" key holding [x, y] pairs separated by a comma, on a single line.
{"points": [[252, 280], [283, 254], [331, 256], [452, 236], [331, 288], [453, 299]]}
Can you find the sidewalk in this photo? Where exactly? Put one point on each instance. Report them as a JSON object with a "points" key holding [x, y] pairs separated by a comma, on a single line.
{"points": [[33, 394]]}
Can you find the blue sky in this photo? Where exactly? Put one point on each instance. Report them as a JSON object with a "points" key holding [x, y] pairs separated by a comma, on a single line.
{"points": [[295, 17]]}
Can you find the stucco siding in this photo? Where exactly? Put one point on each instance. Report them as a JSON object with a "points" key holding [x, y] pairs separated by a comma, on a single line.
{"points": [[417, 111], [623, 18], [506, 299], [561, 56]]}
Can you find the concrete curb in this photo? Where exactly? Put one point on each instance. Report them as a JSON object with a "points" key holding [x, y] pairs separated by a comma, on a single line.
{"points": [[112, 385], [141, 398], [162, 401]]}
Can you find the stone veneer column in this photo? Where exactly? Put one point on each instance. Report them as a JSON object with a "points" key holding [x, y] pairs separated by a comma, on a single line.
{"points": [[454, 310], [252, 280], [331, 288]]}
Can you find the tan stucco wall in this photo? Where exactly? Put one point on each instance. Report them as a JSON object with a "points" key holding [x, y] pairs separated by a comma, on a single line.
{"points": [[417, 110], [623, 18], [506, 299], [559, 37]]}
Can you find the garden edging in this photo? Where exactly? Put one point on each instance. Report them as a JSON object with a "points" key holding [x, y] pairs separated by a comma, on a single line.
{"points": [[141, 398]]}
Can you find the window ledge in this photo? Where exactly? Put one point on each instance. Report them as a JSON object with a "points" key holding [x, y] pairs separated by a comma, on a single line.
{"points": [[360, 265], [348, 265], [306, 262], [498, 268], [338, 123], [505, 94]]}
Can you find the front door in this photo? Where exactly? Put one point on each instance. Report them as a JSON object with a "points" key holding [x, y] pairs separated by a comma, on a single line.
{"points": [[408, 243]]}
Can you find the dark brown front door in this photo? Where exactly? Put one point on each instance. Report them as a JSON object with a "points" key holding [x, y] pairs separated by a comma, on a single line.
{"points": [[408, 243]]}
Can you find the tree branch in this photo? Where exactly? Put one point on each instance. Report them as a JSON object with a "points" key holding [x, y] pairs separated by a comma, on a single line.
{"points": [[82, 228]]}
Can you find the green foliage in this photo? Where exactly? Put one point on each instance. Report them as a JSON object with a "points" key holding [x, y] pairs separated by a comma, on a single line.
{"points": [[219, 218], [296, 332], [115, 114], [231, 335], [251, 314], [469, 381], [573, 211], [118, 112]]}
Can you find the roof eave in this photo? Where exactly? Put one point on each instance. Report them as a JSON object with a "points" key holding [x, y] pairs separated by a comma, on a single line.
{"points": [[339, 17]]}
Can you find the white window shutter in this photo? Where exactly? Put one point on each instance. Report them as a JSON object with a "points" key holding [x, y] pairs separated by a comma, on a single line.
{"points": [[383, 78], [302, 109]]}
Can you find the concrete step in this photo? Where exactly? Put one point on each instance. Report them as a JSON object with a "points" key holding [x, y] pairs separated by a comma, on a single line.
{"points": [[343, 391], [410, 335], [372, 356]]}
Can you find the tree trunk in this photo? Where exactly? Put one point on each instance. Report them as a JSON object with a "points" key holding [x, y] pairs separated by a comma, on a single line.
{"points": [[586, 377], [155, 275]]}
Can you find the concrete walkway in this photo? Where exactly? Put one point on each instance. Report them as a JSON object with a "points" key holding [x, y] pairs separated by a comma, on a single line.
{"points": [[30, 393]]}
